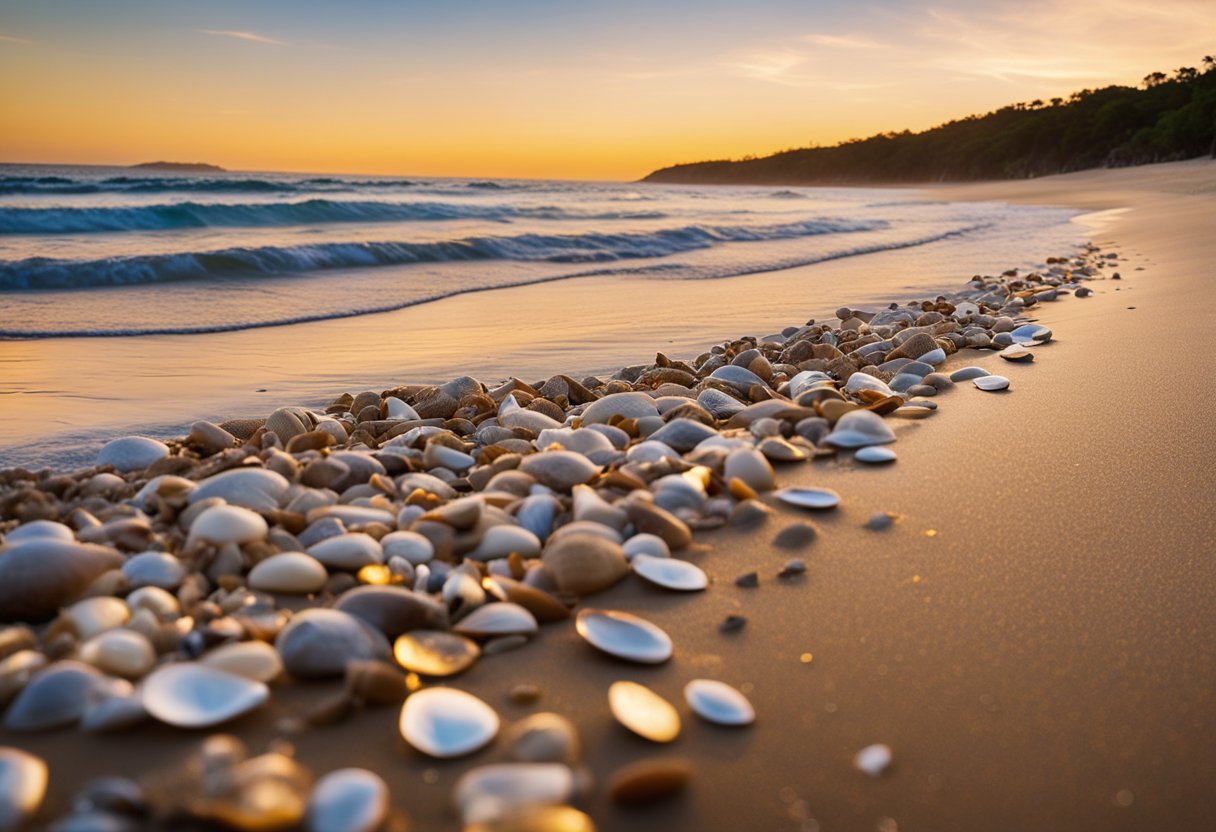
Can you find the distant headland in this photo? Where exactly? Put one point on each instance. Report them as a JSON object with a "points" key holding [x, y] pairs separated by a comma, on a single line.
{"points": [[180, 167]]}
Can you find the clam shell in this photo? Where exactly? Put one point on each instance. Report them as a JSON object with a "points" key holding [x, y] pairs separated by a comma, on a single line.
{"points": [[23, 779], [560, 470], [488, 793], [750, 466], [132, 453], [646, 544], [874, 454], [445, 722], [739, 378], [154, 569], [40, 575], [289, 573], [228, 524], [583, 442], [289, 422], [718, 702], [255, 660], [501, 541], [670, 573], [859, 428], [501, 619], [991, 383], [812, 498], [643, 711], [544, 738], [627, 405], [1031, 334], [409, 545], [123, 653], [584, 564], [624, 635], [94, 616], [864, 381], [350, 552], [435, 653], [348, 800], [683, 434], [58, 695], [256, 489], [190, 695]]}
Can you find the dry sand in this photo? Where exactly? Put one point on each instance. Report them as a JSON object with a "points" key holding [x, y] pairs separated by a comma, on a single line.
{"points": [[1044, 661]]}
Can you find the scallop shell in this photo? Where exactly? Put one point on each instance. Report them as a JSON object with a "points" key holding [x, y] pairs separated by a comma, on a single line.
{"points": [[445, 722], [289, 422], [435, 653], [670, 573], [624, 635], [191, 695], [718, 702], [812, 498], [643, 711]]}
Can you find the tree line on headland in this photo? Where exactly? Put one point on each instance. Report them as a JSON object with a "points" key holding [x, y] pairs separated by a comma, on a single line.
{"points": [[1167, 118]]}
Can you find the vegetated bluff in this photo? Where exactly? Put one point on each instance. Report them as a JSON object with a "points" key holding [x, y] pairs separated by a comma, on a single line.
{"points": [[1166, 119]]}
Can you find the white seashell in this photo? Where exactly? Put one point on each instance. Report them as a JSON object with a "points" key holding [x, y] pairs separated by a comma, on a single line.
{"points": [[23, 780], [161, 603], [646, 544], [154, 569], [670, 573], [123, 653], [590, 506], [583, 442], [859, 428], [991, 383], [874, 454], [441, 456], [227, 524], [812, 498], [435, 652], [398, 409], [740, 378], [873, 759], [351, 551], [628, 405], [165, 483], [501, 619], [253, 488], [643, 711], [1031, 334], [718, 702], [116, 712], [624, 635], [348, 800], [409, 545], [59, 695], [444, 722], [132, 453], [651, 451], [501, 541], [254, 660], [487, 793], [93, 616], [191, 695], [42, 529], [289, 573], [864, 381], [532, 420]]}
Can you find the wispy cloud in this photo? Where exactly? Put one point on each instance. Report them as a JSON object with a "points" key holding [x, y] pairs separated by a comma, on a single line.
{"points": [[11, 39], [842, 41], [252, 37]]}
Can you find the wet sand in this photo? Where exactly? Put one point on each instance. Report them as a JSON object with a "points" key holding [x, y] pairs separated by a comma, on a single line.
{"points": [[1044, 660]]}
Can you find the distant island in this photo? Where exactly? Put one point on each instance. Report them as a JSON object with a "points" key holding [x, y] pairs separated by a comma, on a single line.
{"points": [[180, 167], [1167, 118]]}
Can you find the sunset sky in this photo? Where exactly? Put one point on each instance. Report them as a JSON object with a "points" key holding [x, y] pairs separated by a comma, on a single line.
{"points": [[542, 88]]}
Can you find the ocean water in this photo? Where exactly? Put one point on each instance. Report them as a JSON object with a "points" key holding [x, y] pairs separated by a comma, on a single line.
{"points": [[135, 301]]}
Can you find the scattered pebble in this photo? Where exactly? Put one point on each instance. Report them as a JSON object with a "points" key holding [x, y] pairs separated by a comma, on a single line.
{"points": [[750, 580]]}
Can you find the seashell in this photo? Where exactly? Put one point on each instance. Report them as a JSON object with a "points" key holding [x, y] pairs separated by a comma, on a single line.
{"points": [[93, 616], [718, 702], [409, 545], [720, 405], [256, 489], [934, 357], [583, 564], [1031, 334], [289, 573], [209, 438], [544, 738], [289, 422], [40, 529], [123, 653], [118, 712], [501, 619], [354, 515], [648, 781], [778, 449], [624, 635], [154, 569], [625, 405], [873, 759], [58, 695], [23, 778], [351, 551], [651, 519], [394, 610], [160, 603], [683, 434], [590, 506], [812, 498], [227, 524], [541, 604], [132, 453], [488, 793], [536, 514], [320, 642], [646, 544], [396, 408], [16, 670], [586, 527], [191, 695], [40, 575], [462, 592], [1017, 353], [255, 660], [967, 374], [643, 711], [796, 536], [859, 428], [529, 420], [991, 383], [583, 442], [501, 541], [862, 381], [348, 800], [738, 378], [435, 653], [750, 466], [874, 454], [441, 456], [670, 573], [444, 722], [560, 470]]}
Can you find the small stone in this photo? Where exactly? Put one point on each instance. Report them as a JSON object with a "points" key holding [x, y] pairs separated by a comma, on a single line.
{"points": [[881, 521], [751, 580], [132, 453], [24, 778], [991, 384], [796, 536], [873, 759], [289, 573], [876, 454], [643, 711], [648, 781], [793, 569], [544, 738]]}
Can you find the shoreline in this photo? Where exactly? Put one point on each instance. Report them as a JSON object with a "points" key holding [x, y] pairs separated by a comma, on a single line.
{"points": [[1073, 622]]}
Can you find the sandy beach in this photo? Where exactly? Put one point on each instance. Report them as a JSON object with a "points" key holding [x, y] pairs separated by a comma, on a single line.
{"points": [[1032, 638]]}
